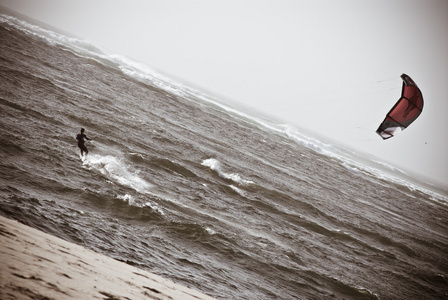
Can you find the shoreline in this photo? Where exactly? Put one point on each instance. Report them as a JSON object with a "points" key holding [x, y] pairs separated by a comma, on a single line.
{"points": [[36, 265]]}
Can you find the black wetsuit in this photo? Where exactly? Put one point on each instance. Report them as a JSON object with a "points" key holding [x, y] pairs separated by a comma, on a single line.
{"points": [[81, 137]]}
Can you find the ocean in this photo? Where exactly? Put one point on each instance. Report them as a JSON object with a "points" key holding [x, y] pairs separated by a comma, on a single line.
{"points": [[202, 193]]}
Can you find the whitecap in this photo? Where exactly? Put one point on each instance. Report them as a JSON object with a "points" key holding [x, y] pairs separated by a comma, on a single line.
{"points": [[210, 231], [215, 165], [127, 198], [117, 171]]}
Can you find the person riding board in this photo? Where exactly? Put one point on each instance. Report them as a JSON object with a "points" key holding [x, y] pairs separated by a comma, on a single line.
{"points": [[81, 137]]}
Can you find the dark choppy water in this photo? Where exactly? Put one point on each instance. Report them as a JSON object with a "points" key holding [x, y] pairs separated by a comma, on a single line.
{"points": [[231, 205]]}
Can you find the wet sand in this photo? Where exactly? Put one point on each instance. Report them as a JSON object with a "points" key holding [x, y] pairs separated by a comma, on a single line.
{"points": [[36, 265]]}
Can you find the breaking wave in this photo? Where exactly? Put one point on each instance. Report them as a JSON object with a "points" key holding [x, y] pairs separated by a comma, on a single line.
{"points": [[118, 171]]}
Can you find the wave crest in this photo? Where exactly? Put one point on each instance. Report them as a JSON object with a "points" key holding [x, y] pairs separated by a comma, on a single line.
{"points": [[215, 165]]}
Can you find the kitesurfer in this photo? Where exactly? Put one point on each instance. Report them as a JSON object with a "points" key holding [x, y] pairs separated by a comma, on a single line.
{"points": [[81, 137]]}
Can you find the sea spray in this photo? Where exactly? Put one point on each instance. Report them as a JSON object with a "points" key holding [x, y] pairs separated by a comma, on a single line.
{"points": [[118, 171]]}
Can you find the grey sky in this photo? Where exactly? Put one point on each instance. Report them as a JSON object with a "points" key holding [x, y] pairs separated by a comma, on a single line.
{"points": [[329, 66]]}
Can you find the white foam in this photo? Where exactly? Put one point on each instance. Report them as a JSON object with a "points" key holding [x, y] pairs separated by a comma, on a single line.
{"points": [[77, 45], [215, 165], [210, 231], [127, 198], [133, 202], [117, 171], [154, 207], [236, 190]]}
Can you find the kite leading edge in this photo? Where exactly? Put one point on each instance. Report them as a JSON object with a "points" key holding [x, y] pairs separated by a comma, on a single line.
{"points": [[405, 111]]}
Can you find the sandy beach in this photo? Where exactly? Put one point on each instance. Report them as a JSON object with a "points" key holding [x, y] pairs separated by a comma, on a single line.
{"points": [[35, 265]]}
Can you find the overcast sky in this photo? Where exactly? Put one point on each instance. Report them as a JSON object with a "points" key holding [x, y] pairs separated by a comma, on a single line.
{"points": [[330, 66]]}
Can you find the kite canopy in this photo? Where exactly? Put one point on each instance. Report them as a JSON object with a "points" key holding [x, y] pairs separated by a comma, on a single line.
{"points": [[405, 111]]}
